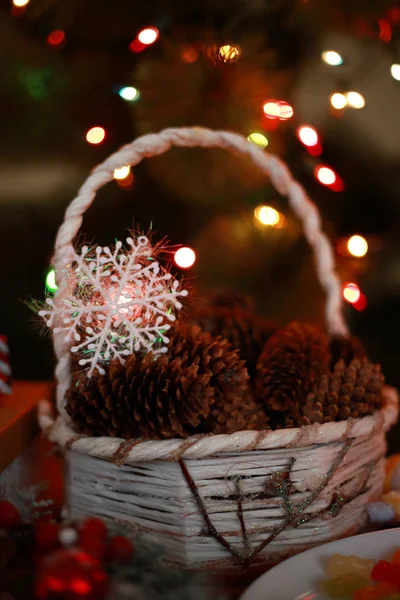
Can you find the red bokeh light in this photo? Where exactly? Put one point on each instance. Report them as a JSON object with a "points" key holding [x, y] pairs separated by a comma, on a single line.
{"points": [[55, 38], [361, 303], [136, 46]]}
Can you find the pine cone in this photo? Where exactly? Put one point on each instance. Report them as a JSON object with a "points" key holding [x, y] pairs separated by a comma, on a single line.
{"points": [[145, 397], [240, 414], [170, 396], [229, 376], [346, 348], [353, 391], [292, 359], [245, 331]]}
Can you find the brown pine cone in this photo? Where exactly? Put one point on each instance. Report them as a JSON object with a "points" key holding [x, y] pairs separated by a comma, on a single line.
{"points": [[346, 348], [245, 331], [239, 414], [149, 398], [353, 391], [229, 375], [292, 360], [170, 396]]}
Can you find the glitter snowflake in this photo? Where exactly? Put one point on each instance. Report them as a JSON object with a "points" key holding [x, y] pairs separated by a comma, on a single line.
{"points": [[113, 302]]}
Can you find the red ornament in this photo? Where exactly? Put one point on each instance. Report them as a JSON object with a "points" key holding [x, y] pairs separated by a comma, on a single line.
{"points": [[96, 547], [94, 527], [71, 574], [93, 537], [120, 550], [46, 534], [9, 515]]}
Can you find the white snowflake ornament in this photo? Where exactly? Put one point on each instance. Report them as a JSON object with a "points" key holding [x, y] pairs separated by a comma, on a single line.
{"points": [[113, 302]]}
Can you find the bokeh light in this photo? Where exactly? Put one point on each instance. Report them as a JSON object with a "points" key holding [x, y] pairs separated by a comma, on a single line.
{"points": [[258, 139], [285, 111], [351, 292], [357, 245], [51, 285], [20, 3], [185, 258], [148, 36], [355, 100], [331, 57], [129, 93], [122, 172], [395, 71], [271, 109], [95, 135], [189, 55], [338, 100], [325, 175], [307, 135], [267, 215], [55, 38], [229, 53], [361, 303]]}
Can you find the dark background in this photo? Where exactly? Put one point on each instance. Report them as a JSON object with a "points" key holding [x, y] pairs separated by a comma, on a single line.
{"points": [[51, 96]]}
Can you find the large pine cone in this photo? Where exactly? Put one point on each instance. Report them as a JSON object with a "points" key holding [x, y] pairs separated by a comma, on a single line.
{"points": [[291, 362], [346, 349], [353, 391], [245, 331], [145, 397], [170, 396]]}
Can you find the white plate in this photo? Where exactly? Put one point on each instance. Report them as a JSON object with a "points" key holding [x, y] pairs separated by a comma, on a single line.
{"points": [[297, 578]]}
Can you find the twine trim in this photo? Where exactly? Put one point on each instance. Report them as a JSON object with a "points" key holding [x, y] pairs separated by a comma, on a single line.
{"points": [[196, 447]]}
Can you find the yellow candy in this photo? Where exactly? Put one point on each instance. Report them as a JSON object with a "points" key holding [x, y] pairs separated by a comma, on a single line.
{"points": [[339, 566], [391, 463]]}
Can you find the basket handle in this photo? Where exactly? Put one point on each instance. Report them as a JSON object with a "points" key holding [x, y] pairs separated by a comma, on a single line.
{"points": [[158, 143]]}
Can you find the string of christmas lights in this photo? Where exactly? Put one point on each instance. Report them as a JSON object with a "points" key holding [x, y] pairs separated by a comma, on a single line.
{"points": [[273, 112]]}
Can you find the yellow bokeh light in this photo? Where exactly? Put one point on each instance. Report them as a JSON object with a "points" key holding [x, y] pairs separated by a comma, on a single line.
{"points": [[355, 100], [357, 246], [20, 3], [395, 71], [148, 36], [258, 139], [351, 293], [95, 135], [271, 109], [122, 172], [229, 53], [331, 57], [267, 215], [338, 100]]}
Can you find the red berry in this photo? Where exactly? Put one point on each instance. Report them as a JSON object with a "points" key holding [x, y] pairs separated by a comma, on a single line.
{"points": [[96, 547], [9, 515], [46, 534], [94, 527], [385, 571], [120, 550]]}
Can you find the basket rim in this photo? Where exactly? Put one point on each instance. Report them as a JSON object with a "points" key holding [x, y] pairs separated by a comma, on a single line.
{"points": [[201, 446]]}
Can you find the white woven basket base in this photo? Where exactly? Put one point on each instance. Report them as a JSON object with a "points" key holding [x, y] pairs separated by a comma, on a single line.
{"points": [[153, 496]]}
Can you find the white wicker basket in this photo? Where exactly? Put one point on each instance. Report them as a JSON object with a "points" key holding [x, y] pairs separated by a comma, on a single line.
{"points": [[225, 501]]}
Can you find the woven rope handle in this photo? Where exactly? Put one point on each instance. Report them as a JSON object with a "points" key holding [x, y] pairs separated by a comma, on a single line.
{"points": [[155, 144]]}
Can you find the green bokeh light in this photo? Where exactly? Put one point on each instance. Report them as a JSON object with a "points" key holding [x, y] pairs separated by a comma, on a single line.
{"points": [[51, 285]]}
